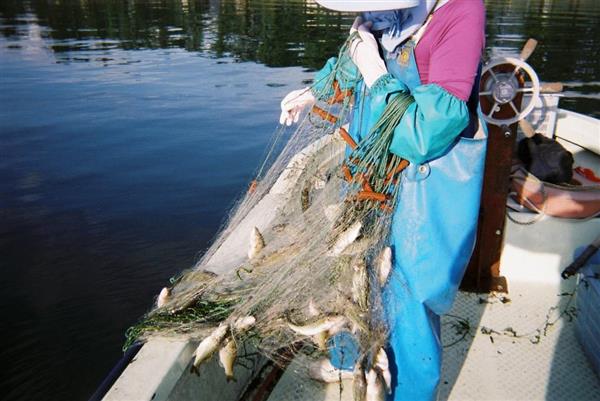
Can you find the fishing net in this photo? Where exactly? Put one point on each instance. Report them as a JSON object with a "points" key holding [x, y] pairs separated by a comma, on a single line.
{"points": [[303, 255]]}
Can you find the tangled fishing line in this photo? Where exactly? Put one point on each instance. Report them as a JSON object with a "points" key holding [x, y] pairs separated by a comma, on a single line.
{"points": [[304, 253]]}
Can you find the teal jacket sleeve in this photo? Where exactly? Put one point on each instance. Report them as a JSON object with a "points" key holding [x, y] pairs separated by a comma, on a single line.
{"points": [[429, 125], [342, 70]]}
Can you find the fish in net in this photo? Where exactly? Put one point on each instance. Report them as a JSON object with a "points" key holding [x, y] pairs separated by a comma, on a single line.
{"points": [[304, 254]]}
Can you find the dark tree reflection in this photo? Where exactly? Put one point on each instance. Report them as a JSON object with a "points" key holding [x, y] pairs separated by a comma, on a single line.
{"points": [[295, 32], [276, 33]]}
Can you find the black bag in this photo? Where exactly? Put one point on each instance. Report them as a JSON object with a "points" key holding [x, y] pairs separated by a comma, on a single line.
{"points": [[547, 159]]}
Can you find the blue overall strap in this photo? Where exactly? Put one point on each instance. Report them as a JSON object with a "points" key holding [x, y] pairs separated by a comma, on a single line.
{"points": [[434, 223], [433, 234], [433, 228]]}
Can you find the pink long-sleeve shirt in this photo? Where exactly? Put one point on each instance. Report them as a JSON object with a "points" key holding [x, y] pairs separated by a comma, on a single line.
{"points": [[449, 52]]}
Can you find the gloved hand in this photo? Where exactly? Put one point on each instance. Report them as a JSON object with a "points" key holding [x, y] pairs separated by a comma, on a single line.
{"points": [[364, 52], [293, 104]]}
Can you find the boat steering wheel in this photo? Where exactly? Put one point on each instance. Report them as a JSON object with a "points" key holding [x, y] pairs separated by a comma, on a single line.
{"points": [[504, 81]]}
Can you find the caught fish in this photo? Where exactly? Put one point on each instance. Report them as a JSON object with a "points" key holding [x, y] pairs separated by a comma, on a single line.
{"points": [[331, 212], [323, 371], [358, 319], [337, 327], [227, 355], [383, 365], [385, 265], [197, 276], [164, 297], [358, 247], [320, 340], [359, 383], [346, 238], [276, 256], [375, 387], [319, 326], [319, 183], [279, 227], [305, 199], [257, 243], [360, 285], [313, 310], [244, 323], [208, 346]]}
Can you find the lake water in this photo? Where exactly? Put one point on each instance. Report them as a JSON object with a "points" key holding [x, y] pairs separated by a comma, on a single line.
{"points": [[128, 128]]}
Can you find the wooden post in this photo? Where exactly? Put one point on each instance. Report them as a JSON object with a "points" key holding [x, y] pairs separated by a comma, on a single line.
{"points": [[483, 272]]}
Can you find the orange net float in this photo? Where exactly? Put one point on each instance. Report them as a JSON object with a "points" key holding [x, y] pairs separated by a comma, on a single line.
{"points": [[359, 178], [370, 195], [339, 95], [347, 138], [364, 182], [384, 207], [347, 173], [324, 115], [354, 161], [252, 186], [403, 164]]}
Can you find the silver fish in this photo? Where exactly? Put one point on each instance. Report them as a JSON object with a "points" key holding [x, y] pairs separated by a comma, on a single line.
{"points": [[358, 247], [312, 309], [375, 387], [305, 199], [197, 276], [346, 238], [320, 340], [279, 227], [257, 243], [227, 355], [359, 383], [244, 323], [383, 365], [337, 327], [385, 265], [323, 371], [332, 211], [208, 346], [319, 183], [319, 326], [360, 285], [164, 297], [357, 319]]}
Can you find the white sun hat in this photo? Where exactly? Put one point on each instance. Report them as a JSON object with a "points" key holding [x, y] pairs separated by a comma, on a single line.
{"points": [[366, 5]]}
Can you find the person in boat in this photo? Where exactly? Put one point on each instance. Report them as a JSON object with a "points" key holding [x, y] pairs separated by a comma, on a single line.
{"points": [[431, 49]]}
